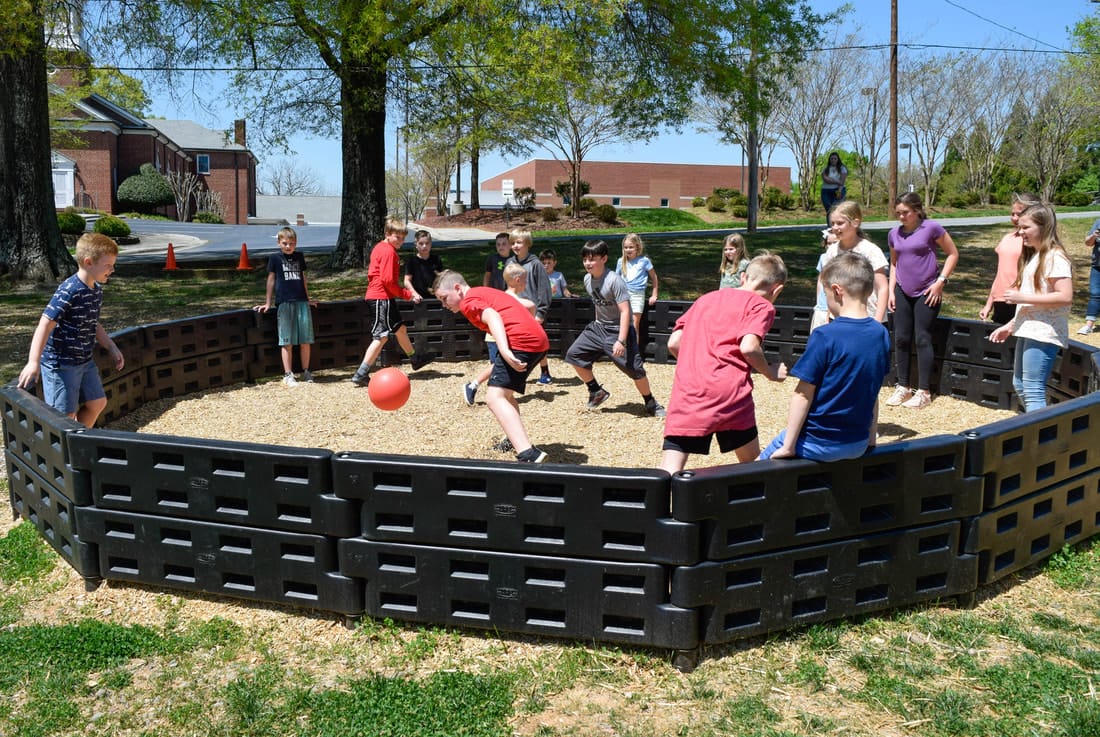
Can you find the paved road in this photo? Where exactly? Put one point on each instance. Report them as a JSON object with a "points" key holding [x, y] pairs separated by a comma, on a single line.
{"points": [[202, 242]]}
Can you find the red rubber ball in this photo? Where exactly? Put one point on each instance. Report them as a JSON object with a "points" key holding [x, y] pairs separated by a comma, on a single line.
{"points": [[389, 389]]}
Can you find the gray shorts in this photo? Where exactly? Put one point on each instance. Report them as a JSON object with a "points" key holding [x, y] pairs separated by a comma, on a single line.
{"points": [[295, 323], [598, 341]]}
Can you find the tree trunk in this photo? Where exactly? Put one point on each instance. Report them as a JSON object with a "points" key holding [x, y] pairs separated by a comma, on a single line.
{"points": [[30, 241], [475, 166], [363, 106], [754, 177]]}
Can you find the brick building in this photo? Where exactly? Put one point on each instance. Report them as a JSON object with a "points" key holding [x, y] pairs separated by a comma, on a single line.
{"points": [[631, 184], [117, 143]]}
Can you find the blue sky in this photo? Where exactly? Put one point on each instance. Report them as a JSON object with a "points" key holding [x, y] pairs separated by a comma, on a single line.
{"points": [[1022, 24]]}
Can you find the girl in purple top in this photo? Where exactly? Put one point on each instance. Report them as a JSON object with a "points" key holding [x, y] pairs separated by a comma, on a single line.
{"points": [[915, 294]]}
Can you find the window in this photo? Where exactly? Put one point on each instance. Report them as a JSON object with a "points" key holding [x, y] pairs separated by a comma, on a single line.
{"points": [[616, 201], [202, 163], [664, 202]]}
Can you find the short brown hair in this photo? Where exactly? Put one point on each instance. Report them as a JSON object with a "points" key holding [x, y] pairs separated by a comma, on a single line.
{"points": [[95, 246]]}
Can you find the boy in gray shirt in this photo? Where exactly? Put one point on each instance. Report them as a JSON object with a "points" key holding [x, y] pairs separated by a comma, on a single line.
{"points": [[611, 334]]}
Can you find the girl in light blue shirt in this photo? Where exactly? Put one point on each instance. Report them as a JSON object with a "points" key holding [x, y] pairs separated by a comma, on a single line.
{"points": [[637, 270]]}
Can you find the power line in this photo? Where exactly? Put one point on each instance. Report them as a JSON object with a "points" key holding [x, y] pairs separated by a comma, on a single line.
{"points": [[954, 4]]}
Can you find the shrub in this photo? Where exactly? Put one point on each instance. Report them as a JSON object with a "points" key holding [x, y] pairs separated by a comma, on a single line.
{"points": [[549, 214], [207, 217], [1073, 199], [111, 226], [587, 203], [725, 193], [716, 203], [606, 214], [736, 198], [524, 198], [774, 199], [146, 191], [698, 201], [739, 211], [70, 222]]}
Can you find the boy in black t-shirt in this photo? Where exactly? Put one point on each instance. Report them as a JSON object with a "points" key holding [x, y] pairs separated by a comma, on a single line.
{"points": [[286, 283]]}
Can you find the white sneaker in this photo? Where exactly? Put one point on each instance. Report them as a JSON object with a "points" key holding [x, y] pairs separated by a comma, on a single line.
{"points": [[1084, 330], [919, 400], [901, 394], [289, 380]]}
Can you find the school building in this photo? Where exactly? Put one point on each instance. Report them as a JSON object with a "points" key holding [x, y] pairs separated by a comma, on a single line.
{"points": [[630, 184]]}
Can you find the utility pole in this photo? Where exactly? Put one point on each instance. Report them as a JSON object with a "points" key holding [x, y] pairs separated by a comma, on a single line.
{"points": [[893, 102]]}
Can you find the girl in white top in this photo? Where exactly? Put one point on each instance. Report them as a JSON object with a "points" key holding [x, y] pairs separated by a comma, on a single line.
{"points": [[1043, 293], [637, 270], [846, 235]]}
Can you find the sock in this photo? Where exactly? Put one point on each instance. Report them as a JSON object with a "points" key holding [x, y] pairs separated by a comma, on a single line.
{"points": [[647, 398], [475, 384], [411, 353], [363, 369], [593, 386]]}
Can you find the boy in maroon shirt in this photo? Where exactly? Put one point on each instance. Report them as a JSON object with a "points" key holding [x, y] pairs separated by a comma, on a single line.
{"points": [[521, 344]]}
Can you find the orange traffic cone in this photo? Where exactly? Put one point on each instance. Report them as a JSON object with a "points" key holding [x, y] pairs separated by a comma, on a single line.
{"points": [[170, 262], [243, 265]]}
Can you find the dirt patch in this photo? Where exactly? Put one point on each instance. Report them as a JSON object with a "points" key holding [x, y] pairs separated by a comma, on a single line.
{"points": [[334, 414], [494, 220]]}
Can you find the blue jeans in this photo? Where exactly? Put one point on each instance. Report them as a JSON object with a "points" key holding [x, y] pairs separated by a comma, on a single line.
{"points": [[1094, 294], [1033, 364]]}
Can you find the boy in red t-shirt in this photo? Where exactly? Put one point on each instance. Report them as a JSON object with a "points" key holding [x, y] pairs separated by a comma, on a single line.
{"points": [[383, 315], [717, 344], [521, 344]]}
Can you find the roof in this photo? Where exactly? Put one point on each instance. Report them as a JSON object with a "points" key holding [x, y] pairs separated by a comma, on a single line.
{"points": [[190, 135]]}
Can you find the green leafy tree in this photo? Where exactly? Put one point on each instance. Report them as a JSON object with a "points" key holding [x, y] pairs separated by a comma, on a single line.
{"points": [[752, 49], [30, 240], [318, 66]]}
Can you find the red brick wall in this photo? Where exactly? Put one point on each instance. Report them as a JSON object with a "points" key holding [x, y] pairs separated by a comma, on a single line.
{"points": [[635, 184], [95, 164], [233, 173]]}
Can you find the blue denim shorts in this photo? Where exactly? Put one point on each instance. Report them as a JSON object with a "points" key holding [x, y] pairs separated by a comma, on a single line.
{"points": [[65, 388], [295, 323]]}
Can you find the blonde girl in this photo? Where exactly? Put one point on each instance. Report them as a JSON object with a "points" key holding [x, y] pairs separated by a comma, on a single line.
{"points": [[846, 229], [636, 270], [1042, 293], [735, 259]]}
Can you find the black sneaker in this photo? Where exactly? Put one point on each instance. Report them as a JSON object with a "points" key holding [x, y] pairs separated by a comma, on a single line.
{"points": [[653, 409], [531, 455], [420, 360], [504, 445], [360, 379], [469, 391], [598, 397]]}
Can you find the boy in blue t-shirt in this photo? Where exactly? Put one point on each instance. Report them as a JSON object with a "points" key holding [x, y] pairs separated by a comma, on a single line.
{"points": [[834, 409], [286, 284], [63, 342]]}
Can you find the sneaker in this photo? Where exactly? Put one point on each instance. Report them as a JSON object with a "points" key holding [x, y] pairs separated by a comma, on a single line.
{"points": [[307, 377], [531, 455], [360, 379], [901, 394], [469, 391], [546, 379], [1084, 330], [653, 409], [289, 380], [504, 445], [598, 397], [420, 360], [920, 399]]}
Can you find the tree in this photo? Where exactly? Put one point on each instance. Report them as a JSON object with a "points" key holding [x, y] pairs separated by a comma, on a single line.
{"points": [[185, 185], [933, 91], [749, 55], [1059, 121], [30, 241], [289, 178], [991, 92], [808, 116], [313, 65]]}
